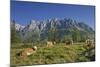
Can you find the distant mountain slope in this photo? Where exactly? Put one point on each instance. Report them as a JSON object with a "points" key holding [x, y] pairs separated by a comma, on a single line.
{"points": [[54, 29]]}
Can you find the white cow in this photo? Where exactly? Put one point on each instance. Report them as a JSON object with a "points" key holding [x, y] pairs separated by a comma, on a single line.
{"points": [[49, 44]]}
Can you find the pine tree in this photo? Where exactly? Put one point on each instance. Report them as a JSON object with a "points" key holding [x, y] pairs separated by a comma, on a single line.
{"points": [[15, 37]]}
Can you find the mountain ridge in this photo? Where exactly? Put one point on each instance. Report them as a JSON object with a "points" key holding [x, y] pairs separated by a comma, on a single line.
{"points": [[45, 29]]}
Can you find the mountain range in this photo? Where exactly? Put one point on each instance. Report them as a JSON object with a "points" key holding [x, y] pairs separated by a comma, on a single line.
{"points": [[53, 29]]}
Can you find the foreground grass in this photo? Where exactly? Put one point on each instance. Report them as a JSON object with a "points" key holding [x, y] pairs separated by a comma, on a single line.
{"points": [[57, 54]]}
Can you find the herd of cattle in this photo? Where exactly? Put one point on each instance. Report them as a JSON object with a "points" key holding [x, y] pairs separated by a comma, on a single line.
{"points": [[29, 51]]}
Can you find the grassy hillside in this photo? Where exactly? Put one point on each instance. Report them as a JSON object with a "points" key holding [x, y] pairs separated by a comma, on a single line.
{"points": [[59, 53]]}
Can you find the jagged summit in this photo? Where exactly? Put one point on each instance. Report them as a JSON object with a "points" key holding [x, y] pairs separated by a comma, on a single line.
{"points": [[62, 26]]}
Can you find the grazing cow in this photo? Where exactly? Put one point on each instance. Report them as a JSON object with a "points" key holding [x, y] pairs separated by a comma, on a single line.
{"points": [[28, 51], [90, 43], [69, 42], [54, 43], [49, 44]]}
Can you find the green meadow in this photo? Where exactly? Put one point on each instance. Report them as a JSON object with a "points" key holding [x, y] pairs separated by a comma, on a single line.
{"points": [[59, 53]]}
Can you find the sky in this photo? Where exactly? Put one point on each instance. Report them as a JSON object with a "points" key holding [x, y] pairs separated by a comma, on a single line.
{"points": [[23, 12]]}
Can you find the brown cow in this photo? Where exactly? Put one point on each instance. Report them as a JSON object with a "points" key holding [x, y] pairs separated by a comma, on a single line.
{"points": [[28, 51], [89, 44], [69, 42]]}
